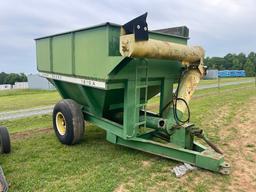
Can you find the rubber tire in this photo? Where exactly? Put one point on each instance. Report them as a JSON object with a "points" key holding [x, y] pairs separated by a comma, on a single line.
{"points": [[74, 121], [5, 144]]}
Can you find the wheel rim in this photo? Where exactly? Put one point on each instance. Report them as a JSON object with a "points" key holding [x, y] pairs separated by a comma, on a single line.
{"points": [[61, 123]]}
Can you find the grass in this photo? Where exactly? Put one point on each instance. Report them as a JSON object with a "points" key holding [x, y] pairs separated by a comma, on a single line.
{"points": [[225, 80], [211, 92], [16, 92], [28, 123], [22, 99], [38, 162]]}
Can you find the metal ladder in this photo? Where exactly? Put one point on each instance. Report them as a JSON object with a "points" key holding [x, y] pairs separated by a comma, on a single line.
{"points": [[141, 82]]}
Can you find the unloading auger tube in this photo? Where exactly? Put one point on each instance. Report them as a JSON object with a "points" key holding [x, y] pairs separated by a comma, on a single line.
{"points": [[135, 43], [191, 57]]}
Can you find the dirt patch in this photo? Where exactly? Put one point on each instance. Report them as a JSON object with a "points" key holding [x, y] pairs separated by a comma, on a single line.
{"points": [[29, 133], [146, 164], [220, 115], [240, 147], [160, 185], [121, 188]]}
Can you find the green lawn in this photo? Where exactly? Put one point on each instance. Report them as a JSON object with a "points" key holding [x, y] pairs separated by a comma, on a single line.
{"points": [[29, 123], [45, 120], [225, 80], [22, 99], [38, 161]]}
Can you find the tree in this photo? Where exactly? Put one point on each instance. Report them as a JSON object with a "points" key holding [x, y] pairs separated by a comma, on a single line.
{"points": [[229, 61], [236, 64], [233, 61], [2, 77], [242, 59], [252, 57], [23, 78], [249, 68], [11, 78]]}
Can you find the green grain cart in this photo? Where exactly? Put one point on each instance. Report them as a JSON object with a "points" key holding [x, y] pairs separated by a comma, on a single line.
{"points": [[107, 73]]}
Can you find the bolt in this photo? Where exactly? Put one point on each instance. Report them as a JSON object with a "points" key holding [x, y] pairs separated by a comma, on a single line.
{"points": [[145, 28], [138, 26]]}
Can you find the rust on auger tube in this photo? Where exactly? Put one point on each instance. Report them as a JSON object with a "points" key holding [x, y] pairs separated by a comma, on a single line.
{"points": [[191, 57], [157, 49]]}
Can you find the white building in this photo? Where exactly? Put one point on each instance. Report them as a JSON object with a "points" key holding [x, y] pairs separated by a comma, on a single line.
{"points": [[211, 74], [37, 82], [20, 85], [5, 87]]}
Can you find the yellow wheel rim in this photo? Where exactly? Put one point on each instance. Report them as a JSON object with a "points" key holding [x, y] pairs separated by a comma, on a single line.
{"points": [[61, 123]]}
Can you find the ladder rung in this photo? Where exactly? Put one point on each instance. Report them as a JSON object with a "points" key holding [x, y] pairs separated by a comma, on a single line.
{"points": [[141, 105], [141, 86], [140, 123]]}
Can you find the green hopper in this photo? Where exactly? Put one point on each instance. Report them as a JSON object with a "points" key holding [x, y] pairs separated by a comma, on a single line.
{"points": [[107, 73]]}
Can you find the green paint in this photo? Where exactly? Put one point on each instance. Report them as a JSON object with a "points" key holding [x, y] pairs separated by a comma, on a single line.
{"points": [[210, 161], [94, 53], [62, 54], [181, 137], [42, 56], [84, 50]]}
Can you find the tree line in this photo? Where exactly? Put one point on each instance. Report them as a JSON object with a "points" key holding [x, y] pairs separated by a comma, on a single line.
{"points": [[234, 62], [11, 78]]}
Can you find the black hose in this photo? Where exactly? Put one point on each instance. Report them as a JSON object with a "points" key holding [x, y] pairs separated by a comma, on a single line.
{"points": [[176, 117], [174, 102], [176, 98]]}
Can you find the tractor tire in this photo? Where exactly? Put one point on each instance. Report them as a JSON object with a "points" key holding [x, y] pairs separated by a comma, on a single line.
{"points": [[68, 122], [5, 144]]}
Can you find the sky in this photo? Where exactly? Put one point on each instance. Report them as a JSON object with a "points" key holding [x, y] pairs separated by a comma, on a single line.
{"points": [[220, 26]]}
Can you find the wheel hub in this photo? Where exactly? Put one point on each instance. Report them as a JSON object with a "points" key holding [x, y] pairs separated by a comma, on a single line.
{"points": [[61, 123]]}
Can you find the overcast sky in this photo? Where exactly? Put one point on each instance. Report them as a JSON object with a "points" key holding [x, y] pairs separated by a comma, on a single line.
{"points": [[220, 26]]}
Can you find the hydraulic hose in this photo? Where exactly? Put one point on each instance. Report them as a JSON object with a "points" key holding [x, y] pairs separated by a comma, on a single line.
{"points": [[174, 101]]}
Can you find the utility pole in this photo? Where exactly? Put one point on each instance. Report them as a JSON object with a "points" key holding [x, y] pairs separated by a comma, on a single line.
{"points": [[218, 79], [255, 72]]}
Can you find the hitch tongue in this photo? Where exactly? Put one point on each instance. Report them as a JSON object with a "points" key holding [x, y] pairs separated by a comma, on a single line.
{"points": [[212, 145], [199, 133]]}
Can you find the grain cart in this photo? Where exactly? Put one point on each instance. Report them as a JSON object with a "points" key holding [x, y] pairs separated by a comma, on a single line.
{"points": [[107, 73]]}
